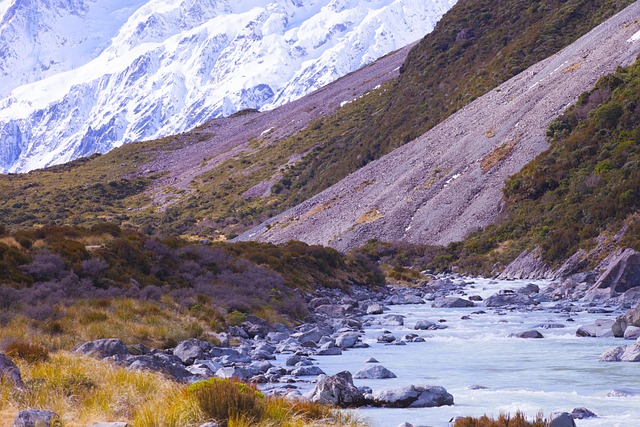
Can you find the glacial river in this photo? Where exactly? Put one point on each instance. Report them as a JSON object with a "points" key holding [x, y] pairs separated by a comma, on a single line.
{"points": [[557, 373]]}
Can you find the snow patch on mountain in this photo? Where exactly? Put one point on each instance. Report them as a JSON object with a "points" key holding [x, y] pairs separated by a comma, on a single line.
{"points": [[85, 76]]}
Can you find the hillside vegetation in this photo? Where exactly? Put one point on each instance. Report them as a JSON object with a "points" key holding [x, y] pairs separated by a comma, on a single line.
{"points": [[477, 45], [64, 285]]}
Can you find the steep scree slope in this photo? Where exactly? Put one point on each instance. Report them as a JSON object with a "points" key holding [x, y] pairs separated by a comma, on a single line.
{"points": [[448, 182]]}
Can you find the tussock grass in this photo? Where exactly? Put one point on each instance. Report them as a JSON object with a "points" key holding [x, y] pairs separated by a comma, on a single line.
{"points": [[83, 391], [156, 324]]}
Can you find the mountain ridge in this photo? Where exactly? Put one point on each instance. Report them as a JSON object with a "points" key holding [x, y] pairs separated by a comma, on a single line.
{"points": [[172, 67]]}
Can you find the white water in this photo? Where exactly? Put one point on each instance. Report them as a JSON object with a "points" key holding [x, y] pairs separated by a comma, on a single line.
{"points": [[557, 373]]}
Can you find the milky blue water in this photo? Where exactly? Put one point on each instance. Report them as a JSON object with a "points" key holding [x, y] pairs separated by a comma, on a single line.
{"points": [[556, 373]]}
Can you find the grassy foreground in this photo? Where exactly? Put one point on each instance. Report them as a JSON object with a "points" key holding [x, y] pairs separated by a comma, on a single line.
{"points": [[83, 391]]}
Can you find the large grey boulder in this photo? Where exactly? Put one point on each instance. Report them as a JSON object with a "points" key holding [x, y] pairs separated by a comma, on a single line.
{"points": [[10, 371], [102, 348], [190, 350], [307, 371], [412, 397], [625, 353], [599, 328], [452, 302], [332, 310], [622, 274], [166, 364], [528, 334], [631, 333], [336, 390], [504, 299], [393, 320], [36, 418], [582, 413], [563, 419], [375, 309], [347, 339], [375, 372]]}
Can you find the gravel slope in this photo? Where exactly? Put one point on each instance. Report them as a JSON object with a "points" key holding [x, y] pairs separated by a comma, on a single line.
{"points": [[434, 189]]}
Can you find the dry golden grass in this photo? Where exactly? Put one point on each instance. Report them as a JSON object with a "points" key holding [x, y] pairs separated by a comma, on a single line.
{"points": [[370, 216], [155, 324], [498, 154], [83, 391]]}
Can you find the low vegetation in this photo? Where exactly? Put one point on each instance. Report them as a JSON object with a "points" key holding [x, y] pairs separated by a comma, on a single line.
{"points": [[62, 285], [83, 391], [504, 420]]}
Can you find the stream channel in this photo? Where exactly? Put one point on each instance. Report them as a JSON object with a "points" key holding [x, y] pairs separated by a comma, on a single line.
{"points": [[554, 374]]}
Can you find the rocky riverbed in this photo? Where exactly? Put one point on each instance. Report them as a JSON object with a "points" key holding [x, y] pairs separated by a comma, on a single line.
{"points": [[453, 347]]}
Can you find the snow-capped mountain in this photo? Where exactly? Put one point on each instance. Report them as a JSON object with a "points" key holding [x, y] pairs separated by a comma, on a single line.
{"points": [[84, 76]]}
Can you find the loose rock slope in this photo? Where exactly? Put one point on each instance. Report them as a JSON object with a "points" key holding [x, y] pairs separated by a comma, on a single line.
{"points": [[448, 182]]}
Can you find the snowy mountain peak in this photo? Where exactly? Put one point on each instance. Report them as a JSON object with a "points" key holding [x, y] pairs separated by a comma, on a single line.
{"points": [[84, 76]]}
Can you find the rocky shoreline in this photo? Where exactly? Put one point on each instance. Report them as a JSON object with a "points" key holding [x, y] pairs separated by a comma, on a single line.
{"points": [[248, 351]]}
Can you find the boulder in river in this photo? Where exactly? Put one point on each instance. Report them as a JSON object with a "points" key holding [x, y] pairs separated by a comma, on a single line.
{"points": [[504, 299], [375, 372], [452, 302], [412, 397], [562, 419], [336, 390], [582, 413], [599, 328], [625, 353], [375, 309], [528, 334]]}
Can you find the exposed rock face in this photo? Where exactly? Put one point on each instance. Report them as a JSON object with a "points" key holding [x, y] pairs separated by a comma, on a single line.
{"points": [[412, 397], [35, 418], [528, 265], [337, 390], [622, 274], [9, 370], [102, 348], [377, 372]]}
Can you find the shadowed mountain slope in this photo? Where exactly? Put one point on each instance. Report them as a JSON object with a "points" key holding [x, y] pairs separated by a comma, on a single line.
{"points": [[448, 182]]}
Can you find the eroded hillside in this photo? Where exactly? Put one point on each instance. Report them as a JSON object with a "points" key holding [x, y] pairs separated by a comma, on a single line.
{"points": [[449, 181]]}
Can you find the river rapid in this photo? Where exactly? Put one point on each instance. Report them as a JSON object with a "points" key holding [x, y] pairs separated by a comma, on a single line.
{"points": [[489, 372]]}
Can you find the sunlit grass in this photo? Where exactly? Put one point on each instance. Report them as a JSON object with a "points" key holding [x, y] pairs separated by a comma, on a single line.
{"points": [[83, 391]]}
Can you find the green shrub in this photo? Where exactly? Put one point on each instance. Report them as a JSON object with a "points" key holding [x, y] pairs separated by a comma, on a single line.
{"points": [[222, 400]]}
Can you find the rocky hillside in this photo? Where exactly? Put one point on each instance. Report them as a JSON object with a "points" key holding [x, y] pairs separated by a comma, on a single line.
{"points": [[449, 181]]}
